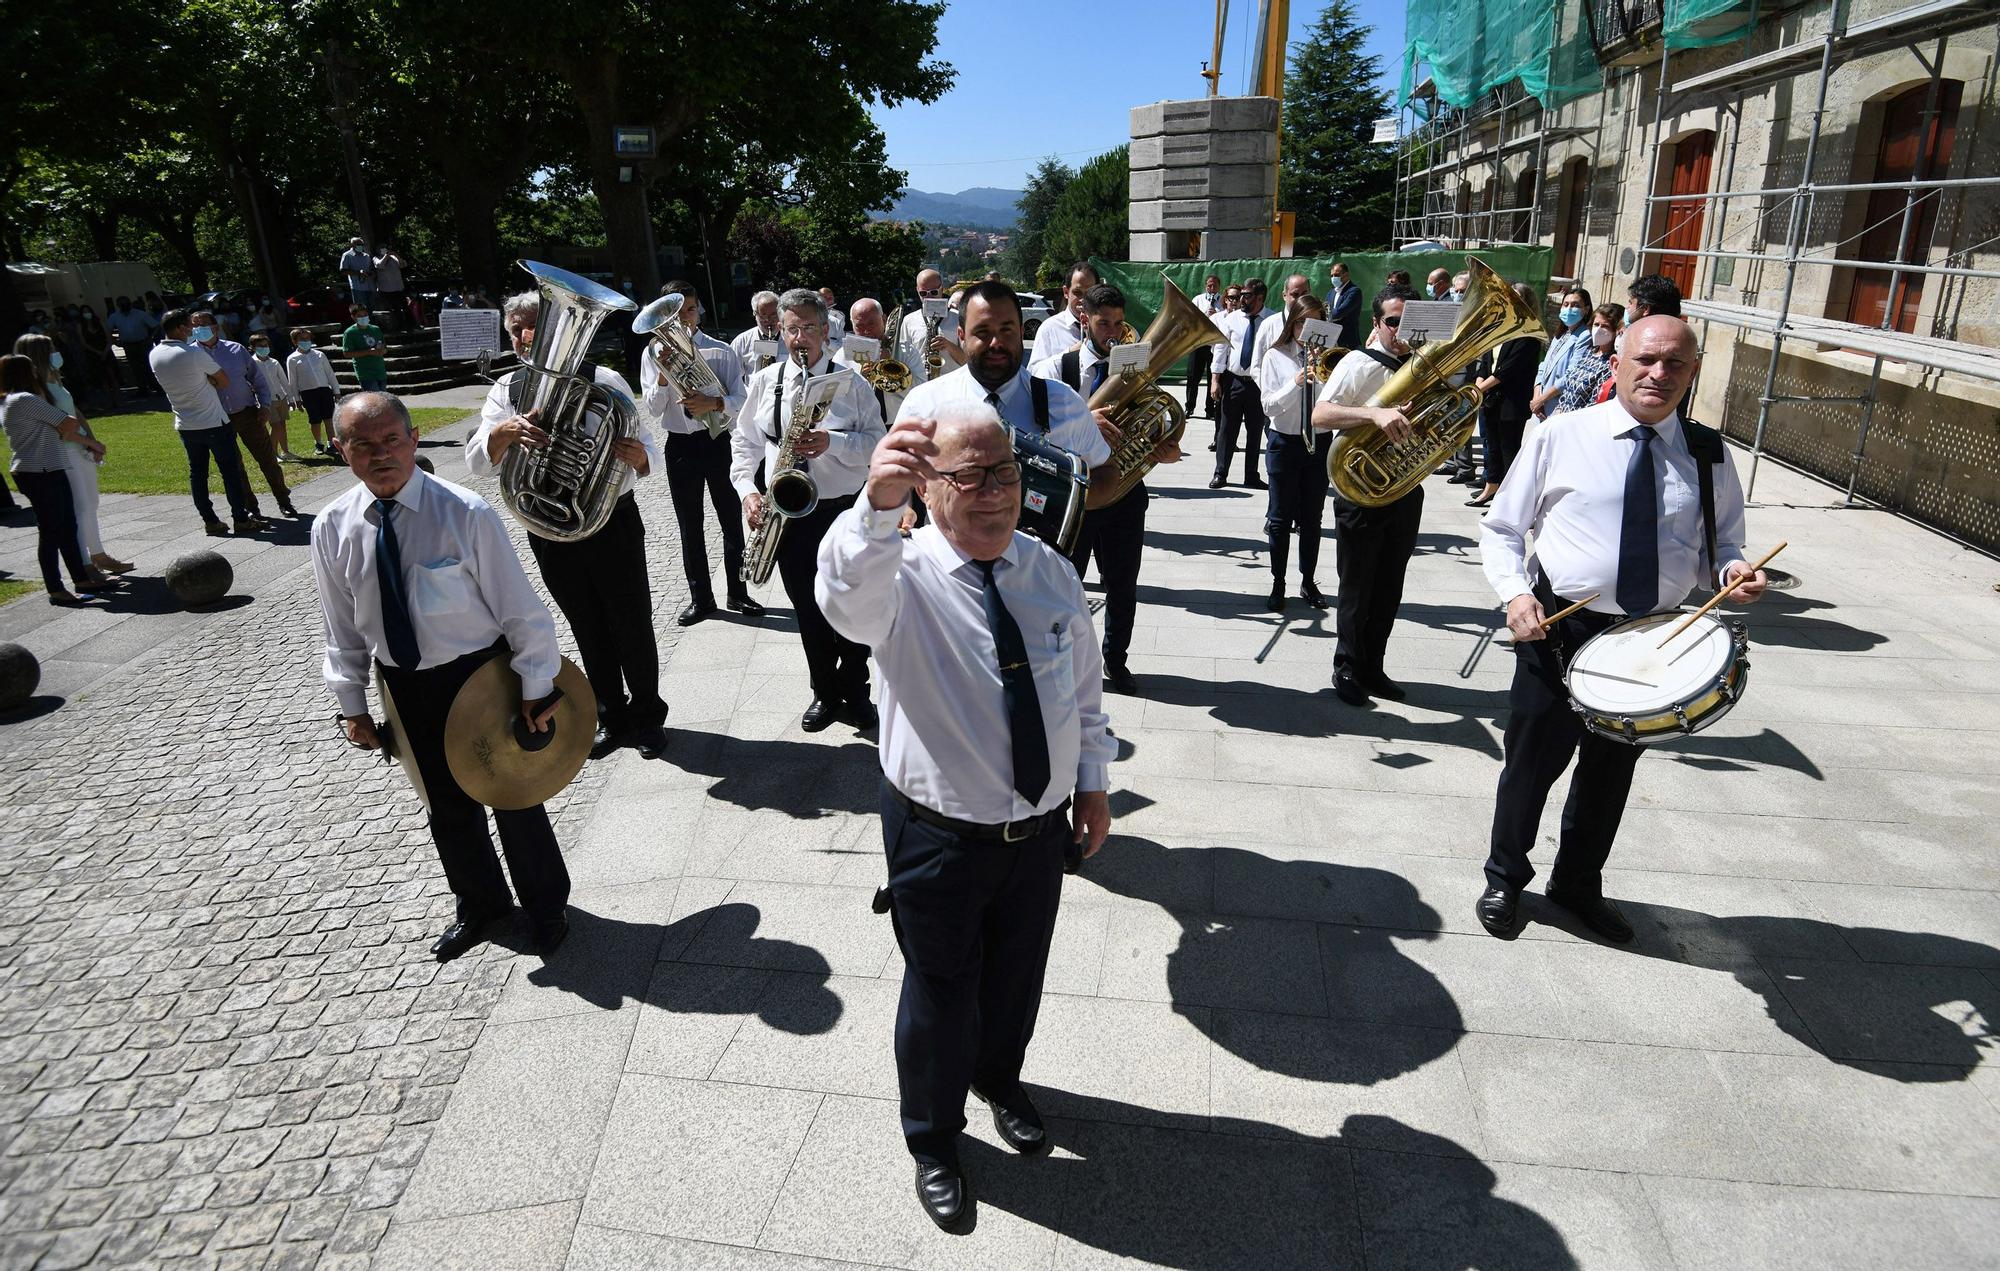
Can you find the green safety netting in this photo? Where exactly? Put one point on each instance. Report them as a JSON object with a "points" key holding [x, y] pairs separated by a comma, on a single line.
{"points": [[1141, 281], [1468, 48], [1690, 24]]}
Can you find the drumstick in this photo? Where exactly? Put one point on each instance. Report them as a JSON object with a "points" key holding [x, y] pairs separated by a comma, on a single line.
{"points": [[1560, 614], [1716, 599]]}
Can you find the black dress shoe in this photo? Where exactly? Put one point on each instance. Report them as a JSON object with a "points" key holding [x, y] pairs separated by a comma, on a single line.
{"points": [[1255, 483], [1122, 681], [1349, 690], [1314, 597], [941, 1190], [1499, 910], [1381, 685], [550, 935], [820, 715], [1276, 603], [1216, 483], [747, 607], [1595, 912], [604, 742], [696, 611], [861, 714], [1019, 1131], [650, 741], [462, 935]]}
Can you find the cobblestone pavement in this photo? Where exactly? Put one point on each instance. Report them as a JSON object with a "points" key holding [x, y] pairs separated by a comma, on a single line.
{"points": [[222, 1039]]}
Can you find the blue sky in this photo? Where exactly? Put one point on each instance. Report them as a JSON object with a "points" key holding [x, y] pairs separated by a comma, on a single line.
{"points": [[1039, 77]]}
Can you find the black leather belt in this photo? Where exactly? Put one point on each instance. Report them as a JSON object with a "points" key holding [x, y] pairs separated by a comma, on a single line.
{"points": [[1009, 832]]}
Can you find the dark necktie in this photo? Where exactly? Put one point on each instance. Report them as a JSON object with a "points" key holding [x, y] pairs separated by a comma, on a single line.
{"points": [[1096, 379], [1249, 338], [993, 400], [397, 628], [1017, 681], [1639, 531]]}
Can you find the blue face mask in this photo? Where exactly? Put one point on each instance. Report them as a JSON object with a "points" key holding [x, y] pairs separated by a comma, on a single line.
{"points": [[55, 360], [1571, 315], [305, 346], [1631, 315], [202, 335], [262, 352]]}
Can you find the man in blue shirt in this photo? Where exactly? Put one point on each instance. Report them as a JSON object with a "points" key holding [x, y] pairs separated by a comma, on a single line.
{"points": [[245, 397]]}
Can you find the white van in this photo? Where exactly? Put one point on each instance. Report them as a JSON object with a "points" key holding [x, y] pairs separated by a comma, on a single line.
{"points": [[96, 283]]}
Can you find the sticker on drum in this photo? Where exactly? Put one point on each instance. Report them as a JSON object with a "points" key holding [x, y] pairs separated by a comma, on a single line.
{"points": [[1626, 687]]}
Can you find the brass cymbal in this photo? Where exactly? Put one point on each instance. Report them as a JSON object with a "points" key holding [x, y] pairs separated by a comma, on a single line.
{"points": [[481, 745], [393, 738]]}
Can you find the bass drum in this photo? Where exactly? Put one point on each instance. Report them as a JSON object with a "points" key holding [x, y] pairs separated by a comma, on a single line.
{"points": [[1053, 485], [1625, 687]]}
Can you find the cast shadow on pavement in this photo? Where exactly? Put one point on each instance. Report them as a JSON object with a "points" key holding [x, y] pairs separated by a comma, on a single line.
{"points": [[802, 779], [608, 961], [1248, 968], [1220, 1193]]}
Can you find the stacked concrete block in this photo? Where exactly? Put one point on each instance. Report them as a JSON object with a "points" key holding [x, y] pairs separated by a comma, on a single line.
{"points": [[1203, 175]]}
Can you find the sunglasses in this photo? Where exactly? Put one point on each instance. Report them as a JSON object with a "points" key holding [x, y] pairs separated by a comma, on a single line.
{"points": [[1392, 323]]}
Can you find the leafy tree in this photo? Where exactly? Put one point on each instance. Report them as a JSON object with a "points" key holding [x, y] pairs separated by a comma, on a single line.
{"points": [[804, 247], [1023, 257], [1340, 184], [1093, 216]]}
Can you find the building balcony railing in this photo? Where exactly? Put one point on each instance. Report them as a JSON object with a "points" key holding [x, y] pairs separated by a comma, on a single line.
{"points": [[1626, 31]]}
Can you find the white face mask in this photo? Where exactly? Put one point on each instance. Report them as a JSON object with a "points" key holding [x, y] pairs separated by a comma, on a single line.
{"points": [[1601, 337]]}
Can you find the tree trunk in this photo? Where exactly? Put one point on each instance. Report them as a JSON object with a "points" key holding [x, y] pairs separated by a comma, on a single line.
{"points": [[103, 229], [622, 204], [472, 205], [177, 232]]}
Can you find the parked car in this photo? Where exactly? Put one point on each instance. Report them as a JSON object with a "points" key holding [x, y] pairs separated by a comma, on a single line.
{"points": [[1034, 312], [317, 305]]}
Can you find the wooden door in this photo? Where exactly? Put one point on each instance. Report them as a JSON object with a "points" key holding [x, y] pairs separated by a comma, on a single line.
{"points": [[1907, 145], [1569, 239], [1682, 230]]}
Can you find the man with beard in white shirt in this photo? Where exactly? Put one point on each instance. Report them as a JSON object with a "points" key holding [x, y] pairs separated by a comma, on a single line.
{"points": [[1064, 330]]}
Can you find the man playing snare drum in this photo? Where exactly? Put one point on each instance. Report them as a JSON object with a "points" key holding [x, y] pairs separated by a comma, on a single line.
{"points": [[1614, 498]]}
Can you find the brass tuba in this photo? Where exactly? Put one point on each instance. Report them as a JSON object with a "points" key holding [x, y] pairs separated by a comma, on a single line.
{"points": [[565, 490], [680, 356], [1144, 413], [1369, 469]]}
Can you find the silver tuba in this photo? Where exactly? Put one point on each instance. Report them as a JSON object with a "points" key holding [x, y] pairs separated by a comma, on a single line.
{"points": [[791, 491], [565, 489], [680, 356]]}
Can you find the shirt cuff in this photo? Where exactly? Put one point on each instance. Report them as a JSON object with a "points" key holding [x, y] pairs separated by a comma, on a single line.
{"points": [[353, 699], [1093, 778], [536, 689], [1513, 586], [876, 523]]}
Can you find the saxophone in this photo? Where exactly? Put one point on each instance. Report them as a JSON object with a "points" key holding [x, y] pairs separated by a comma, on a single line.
{"points": [[791, 491], [680, 356], [933, 360]]}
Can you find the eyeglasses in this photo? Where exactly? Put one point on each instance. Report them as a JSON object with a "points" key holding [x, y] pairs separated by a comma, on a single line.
{"points": [[972, 480], [1392, 323]]}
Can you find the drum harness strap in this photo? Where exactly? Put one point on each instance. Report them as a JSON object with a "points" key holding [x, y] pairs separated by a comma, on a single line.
{"points": [[1072, 370], [1038, 394], [1705, 446]]}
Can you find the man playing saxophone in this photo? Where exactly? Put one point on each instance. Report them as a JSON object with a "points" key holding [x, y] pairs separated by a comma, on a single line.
{"points": [[698, 460], [834, 454], [1375, 542], [600, 583], [929, 348]]}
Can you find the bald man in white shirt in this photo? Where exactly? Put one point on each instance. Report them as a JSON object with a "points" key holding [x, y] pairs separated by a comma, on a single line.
{"points": [[1573, 490]]}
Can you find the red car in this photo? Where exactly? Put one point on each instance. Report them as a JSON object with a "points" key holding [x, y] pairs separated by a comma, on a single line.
{"points": [[316, 305]]}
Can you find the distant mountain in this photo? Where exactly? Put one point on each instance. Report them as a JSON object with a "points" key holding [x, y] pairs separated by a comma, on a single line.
{"points": [[982, 207]]}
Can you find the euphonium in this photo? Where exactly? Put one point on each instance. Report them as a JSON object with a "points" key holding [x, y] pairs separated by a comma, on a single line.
{"points": [[565, 489], [680, 355], [1145, 414], [1369, 469], [790, 492]]}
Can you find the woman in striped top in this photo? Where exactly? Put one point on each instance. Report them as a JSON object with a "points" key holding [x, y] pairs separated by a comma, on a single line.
{"points": [[36, 433], [84, 452]]}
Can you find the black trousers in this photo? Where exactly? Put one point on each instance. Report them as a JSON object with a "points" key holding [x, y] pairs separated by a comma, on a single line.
{"points": [[1242, 411], [698, 462], [1375, 547], [601, 586], [974, 919], [1503, 442], [55, 526], [218, 444], [1297, 500], [458, 825], [838, 666], [1117, 535], [1198, 364], [1542, 733]]}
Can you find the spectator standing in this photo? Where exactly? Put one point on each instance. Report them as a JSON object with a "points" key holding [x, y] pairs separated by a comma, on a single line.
{"points": [[245, 399], [82, 453], [283, 397], [135, 329], [100, 367], [363, 342], [1343, 307], [389, 294], [358, 267], [36, 431], [1590, 370], [836, 321], [1573, 339], [193, 383], [312, 378], [1506, 378]]}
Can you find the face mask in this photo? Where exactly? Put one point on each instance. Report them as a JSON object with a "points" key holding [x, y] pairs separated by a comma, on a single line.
{"points": [[1571, 315], [363, 321], [262, 352], [55, 360], [1631, 315], [305, 346], [202, 335], [1601, 337]]}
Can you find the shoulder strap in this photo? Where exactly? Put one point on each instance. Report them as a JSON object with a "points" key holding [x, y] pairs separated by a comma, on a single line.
{"points": [[1705, 445], [1038, 392], [1072, 368], [1391, 363]]}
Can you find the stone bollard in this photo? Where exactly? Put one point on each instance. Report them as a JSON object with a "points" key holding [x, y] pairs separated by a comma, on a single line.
{"points": [[200, 578], [20, 675]]}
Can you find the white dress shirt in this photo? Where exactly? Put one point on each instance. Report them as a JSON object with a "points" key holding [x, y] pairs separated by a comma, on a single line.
{"points": [[910, 343], [1241, 330], [465, 586], [310, 369], [498, 409], [1355, 379], [1209, 302], [919, 604], [660, 404], [1287, 403], [276, 381], [1070, 423], [1268, 332], [853, 425], [1056, 335], [740, 346], [1567, 488], [183, 368], [836, 325], [1086, 357]]}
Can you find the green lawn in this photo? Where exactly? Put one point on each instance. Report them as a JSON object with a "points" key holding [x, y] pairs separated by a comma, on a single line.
{"points": [[145, 457], [13, 587]]}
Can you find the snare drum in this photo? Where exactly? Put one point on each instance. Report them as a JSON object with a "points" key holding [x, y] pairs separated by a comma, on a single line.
{"points": [[1627, 689], [1053, 482]]}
